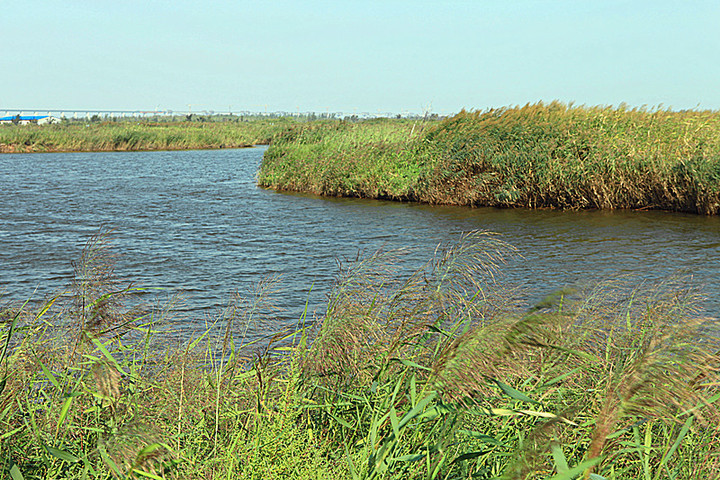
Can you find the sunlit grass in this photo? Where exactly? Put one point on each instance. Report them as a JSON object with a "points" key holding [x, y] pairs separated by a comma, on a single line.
{"points": [[123, 136], [536, 156], [431, 375], [373, 159]]}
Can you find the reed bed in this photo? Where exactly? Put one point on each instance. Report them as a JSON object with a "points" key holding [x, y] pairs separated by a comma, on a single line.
{"points": [[536, 156], [430, 375], [363, 159], [124, 136]]}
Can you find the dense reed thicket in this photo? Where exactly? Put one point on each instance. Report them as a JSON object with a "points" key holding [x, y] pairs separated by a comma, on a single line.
{"points": [[537, 156], [431, 375], [374, 158], [121, 136]]}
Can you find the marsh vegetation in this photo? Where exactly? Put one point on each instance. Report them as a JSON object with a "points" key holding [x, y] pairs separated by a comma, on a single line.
{"points": [[130, 136], [536, 156], [432, 374]]}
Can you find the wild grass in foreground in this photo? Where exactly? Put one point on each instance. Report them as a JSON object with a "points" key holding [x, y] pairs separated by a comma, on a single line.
{"points": [[536, 156], [432, 375]]}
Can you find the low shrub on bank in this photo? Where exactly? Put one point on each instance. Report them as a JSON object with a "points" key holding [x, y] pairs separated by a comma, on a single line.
{"points": [[432, 375], [536, 156]]}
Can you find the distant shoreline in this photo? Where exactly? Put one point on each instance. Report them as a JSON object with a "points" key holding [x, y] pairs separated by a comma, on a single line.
{"points": [[127, 136], [9, 149]]}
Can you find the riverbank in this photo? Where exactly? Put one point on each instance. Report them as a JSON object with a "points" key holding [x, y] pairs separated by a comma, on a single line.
{"points": [[129, 136], [537, 156], [431, 375]]}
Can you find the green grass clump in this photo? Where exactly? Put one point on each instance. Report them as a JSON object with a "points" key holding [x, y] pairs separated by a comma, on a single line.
{"points": [[374, 159], [536, 156], [432, 375], [122, 136]]}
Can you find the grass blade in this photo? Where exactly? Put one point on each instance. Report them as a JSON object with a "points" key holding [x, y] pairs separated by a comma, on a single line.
{"points": [[62, 455], [573, 472], [15, 473], [561, 464], [516, 394]]}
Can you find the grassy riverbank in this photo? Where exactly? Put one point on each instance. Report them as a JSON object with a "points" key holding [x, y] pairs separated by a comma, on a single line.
{"points": [[434, 375], [537, 156], [122, 136]]}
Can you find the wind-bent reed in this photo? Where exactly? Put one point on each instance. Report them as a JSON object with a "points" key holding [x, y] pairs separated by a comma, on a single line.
{"points": [[536, 156], [433, 375]]}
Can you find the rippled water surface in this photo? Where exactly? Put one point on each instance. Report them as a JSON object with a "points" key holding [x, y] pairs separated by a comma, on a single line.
{"points": [[195, 222]]}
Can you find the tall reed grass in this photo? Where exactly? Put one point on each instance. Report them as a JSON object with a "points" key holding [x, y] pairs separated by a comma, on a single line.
{"points": [[373, 159], [537, 156], [432, 375]]}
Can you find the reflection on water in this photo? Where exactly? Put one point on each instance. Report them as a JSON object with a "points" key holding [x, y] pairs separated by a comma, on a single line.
{"points": [[196, 222]]}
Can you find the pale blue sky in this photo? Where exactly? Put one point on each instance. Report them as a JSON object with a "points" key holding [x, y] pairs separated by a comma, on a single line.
{"points": [[357, 55]]}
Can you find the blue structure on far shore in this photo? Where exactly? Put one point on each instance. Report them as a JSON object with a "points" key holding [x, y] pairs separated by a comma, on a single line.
{"points": [[26, 119]]}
